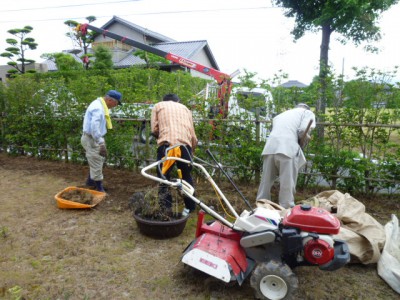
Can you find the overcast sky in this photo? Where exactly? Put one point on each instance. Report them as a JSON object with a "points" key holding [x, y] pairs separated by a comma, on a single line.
{"points": [[249, 34]]}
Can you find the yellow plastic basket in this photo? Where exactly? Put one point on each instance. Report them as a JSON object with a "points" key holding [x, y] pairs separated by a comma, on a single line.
{"points": [[63, 203]]}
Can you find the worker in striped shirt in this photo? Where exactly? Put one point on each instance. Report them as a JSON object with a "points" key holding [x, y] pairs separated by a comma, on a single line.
{"points": [[172, 124]]}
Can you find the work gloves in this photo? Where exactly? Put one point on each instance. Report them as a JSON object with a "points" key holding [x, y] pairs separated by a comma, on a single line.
{"points": [[304, 138], [103, 150]]}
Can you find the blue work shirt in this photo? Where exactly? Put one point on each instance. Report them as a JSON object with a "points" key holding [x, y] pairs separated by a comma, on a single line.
{"points": [[94, 122]]}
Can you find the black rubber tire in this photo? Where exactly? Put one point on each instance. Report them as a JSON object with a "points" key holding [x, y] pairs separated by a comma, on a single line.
{"points": [[274, 280], [142, 135]]}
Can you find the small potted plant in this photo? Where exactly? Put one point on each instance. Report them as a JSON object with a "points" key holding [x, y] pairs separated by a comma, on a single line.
{"points": [[151, 219]]}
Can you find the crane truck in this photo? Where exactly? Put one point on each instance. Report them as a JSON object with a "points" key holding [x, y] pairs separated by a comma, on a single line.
{"points": [[223, 80], [229, 103]]}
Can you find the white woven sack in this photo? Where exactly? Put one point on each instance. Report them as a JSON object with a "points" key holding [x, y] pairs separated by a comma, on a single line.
{"points": [[389, 262]]}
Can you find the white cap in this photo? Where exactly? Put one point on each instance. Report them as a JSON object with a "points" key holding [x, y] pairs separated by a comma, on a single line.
{"points": [[303, 105]]}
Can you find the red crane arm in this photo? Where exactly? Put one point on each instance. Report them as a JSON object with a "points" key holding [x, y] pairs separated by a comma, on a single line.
{"points": [[224, 80], [216, 74]]}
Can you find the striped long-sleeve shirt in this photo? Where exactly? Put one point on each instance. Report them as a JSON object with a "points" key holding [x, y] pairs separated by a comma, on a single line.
{"points": [[172, 122]]}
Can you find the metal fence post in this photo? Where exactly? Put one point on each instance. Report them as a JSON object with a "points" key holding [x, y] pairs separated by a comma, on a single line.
{"points": [[258, 141]]}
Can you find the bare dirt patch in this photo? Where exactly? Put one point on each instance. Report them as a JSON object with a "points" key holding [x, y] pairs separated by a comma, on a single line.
{"points": [[99, 253]]}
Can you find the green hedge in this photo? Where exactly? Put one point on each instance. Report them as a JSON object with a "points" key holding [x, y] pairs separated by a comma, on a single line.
{"points": [[42, 115]]}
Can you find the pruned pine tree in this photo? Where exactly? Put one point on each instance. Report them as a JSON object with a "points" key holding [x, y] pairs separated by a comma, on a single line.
{"points": [[16, 53]]}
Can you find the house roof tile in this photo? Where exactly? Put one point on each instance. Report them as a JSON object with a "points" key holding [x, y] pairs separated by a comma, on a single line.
{"points": [[51, 65], [293, 83], [185, 49], [140, 29]]}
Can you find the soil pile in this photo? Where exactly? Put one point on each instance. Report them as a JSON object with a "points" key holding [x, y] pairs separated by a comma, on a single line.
{"points": [[79, 196]]}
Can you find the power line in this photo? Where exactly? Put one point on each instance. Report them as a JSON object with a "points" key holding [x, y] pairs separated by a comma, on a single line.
{"points": [[207, 10], [148, 13], [64, 6]]}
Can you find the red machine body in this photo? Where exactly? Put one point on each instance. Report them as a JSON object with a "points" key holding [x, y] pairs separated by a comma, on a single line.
{"points": [[304, 232], [217, 251], [312, 219], [228, 250]]}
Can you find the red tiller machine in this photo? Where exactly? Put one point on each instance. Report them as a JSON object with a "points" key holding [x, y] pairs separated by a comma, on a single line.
{"points": [[259, 244]]}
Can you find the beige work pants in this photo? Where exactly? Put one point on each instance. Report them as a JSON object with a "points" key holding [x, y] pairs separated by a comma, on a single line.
{"points": [[287, 169], [95, 160]]}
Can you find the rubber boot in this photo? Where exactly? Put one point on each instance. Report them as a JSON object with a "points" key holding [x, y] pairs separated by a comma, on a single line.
{"points": [[90, 181], [99, 186]]}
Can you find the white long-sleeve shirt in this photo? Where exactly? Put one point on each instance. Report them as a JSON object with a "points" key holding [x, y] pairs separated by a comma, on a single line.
{"points": [[284, 135], [94, 122]]}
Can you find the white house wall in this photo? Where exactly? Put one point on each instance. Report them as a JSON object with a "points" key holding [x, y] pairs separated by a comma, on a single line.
{"points": [[201, 58], [39, 67], [124, 31]]}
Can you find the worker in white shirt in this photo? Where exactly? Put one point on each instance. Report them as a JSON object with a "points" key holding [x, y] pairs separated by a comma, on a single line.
{"points": [[283, 153]]}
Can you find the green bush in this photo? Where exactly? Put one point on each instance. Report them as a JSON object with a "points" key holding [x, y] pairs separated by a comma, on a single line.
{"points": [[42, 115]]}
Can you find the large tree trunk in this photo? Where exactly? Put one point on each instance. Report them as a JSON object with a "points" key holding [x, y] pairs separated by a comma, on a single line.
{"points": [[323, 74]]}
